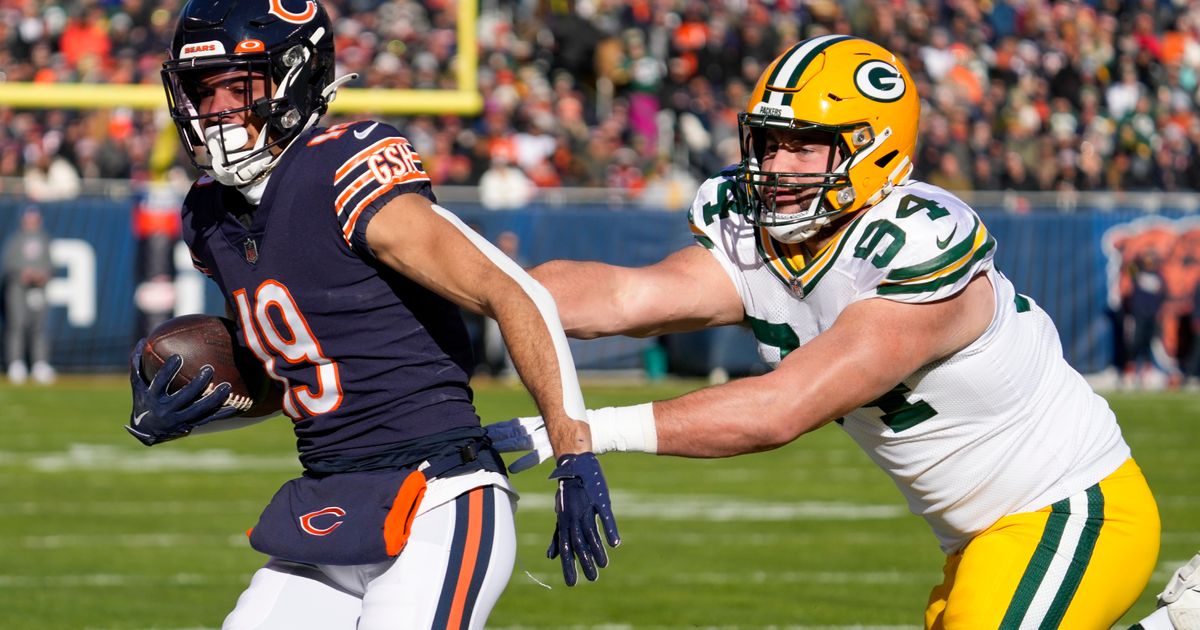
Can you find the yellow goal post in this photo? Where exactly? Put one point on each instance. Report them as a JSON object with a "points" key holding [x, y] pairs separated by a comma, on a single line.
{"points": [[464, 100]]}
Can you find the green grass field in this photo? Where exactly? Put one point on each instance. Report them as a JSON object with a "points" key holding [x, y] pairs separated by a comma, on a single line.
{"points": [[97, 531]]}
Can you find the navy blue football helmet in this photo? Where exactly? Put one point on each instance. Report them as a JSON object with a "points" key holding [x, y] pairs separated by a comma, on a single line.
{"points": [[283, 52]]}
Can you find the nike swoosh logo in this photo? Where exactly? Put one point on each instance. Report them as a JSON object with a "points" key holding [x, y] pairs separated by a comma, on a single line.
{"points": [[362, 134], [942, 243], [138, 418]]}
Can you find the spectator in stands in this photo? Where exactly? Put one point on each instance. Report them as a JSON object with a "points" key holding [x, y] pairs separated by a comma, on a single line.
{"points": [[1191, 368], [949, 174], [504, 186], [48, 175], [26, 271], [1145, 306], [670, 187]]}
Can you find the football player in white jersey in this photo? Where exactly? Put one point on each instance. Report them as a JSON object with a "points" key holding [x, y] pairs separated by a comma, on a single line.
{"points": [[875, 299]]}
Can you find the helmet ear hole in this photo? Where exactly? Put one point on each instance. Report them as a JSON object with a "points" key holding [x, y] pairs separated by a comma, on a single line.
{"points": [[886, 158]]}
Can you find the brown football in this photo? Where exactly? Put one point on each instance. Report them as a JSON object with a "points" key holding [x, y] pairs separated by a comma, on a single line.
{"points": [[209, 340]]}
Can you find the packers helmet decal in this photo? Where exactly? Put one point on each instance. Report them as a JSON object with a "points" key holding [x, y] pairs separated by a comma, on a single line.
{"points": [[879, 81]]}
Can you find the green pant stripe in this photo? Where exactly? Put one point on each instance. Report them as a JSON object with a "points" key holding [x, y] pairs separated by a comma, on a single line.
{"points": [[1080, 560], [1035, 571]]}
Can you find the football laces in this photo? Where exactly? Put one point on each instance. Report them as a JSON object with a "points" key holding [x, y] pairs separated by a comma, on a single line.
{"points": [[241, 403]]}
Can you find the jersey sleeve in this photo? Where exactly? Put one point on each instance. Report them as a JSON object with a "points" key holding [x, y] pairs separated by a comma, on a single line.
{"points": [[716, 218], [923, 247], [374, 164]]}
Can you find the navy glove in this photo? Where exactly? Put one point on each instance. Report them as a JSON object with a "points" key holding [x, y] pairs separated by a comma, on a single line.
{"points": [[520, 435], [582, 496], [159, 416]]}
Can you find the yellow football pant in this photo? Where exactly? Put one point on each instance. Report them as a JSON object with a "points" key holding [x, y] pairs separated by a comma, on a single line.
{"points": [[1079, 563]]}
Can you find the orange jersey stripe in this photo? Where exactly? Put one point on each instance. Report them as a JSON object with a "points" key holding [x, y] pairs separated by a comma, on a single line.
{"points": [[358, 159], [352, 219], [474, 533], [353, 189]]}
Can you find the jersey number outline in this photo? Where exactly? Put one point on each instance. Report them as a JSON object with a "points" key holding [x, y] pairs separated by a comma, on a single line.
{"points": [[332, 133], [296, 344]]}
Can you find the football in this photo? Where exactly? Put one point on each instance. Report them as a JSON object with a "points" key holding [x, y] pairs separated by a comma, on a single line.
{"points": [[209, 340]]}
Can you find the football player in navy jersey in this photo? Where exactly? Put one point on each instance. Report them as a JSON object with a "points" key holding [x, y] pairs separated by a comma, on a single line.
{"points": [[346, 279]]}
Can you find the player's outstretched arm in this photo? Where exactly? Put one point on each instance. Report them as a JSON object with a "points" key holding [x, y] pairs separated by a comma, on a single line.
{"points": [[688, 290], [434, 248], [874, 345]]}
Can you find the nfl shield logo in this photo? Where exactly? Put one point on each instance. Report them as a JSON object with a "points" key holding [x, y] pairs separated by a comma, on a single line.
{"points": [[250, 250], [797, 287]]}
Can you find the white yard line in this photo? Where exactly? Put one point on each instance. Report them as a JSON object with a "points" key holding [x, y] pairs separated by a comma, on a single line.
{"points": [[723, 508], [129, 541]]}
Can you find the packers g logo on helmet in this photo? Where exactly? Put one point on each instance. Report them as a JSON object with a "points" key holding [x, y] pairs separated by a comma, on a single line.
{"points": [[879, 81]]}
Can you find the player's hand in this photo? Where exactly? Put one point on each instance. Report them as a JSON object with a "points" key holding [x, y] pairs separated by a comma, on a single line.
{"points": [[159, 416], [582, 496], [519, 435]]}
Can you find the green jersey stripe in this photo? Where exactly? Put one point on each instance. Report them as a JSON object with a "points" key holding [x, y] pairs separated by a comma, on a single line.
{"points": [[763, 241], [1080, 561], [934, 285], [1038, 565], [705, 241], [781, 254], [942, 261], [829, 261], [778, 335]]}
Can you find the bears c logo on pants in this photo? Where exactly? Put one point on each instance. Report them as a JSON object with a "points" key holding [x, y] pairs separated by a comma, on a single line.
{"points": [[307, 521]]}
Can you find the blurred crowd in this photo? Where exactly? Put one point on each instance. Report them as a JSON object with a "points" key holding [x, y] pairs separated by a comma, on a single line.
{"points": [[641, 96]]}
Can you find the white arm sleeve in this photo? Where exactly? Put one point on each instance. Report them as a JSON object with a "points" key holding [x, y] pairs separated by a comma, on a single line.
{"points": [[572, 396]]}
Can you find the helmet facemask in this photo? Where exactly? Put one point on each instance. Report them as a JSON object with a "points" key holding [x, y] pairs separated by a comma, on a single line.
{"points": [[813, 198], [275, 85]]}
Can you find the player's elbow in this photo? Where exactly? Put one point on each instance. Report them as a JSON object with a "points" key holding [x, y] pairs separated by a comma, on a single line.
{"points": [[780, 415], [773, 433]]}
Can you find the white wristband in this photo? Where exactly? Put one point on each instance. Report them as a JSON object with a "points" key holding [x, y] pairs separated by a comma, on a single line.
{"points": [[629, 429]]}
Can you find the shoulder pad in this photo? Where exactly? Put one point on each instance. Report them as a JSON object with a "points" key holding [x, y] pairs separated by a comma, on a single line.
{"points": [[922, 244], [718, 199], [358, 132], [371, 163]]}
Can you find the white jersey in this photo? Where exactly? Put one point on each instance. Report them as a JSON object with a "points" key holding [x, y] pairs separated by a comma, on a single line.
{"points": [[1003, 426]]}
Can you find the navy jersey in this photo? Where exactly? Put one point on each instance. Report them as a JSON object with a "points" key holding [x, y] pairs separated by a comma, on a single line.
{"points": [[371, 359]]}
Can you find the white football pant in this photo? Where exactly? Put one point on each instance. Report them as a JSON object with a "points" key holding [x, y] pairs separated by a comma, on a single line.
{"points": [[448, 577]]}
